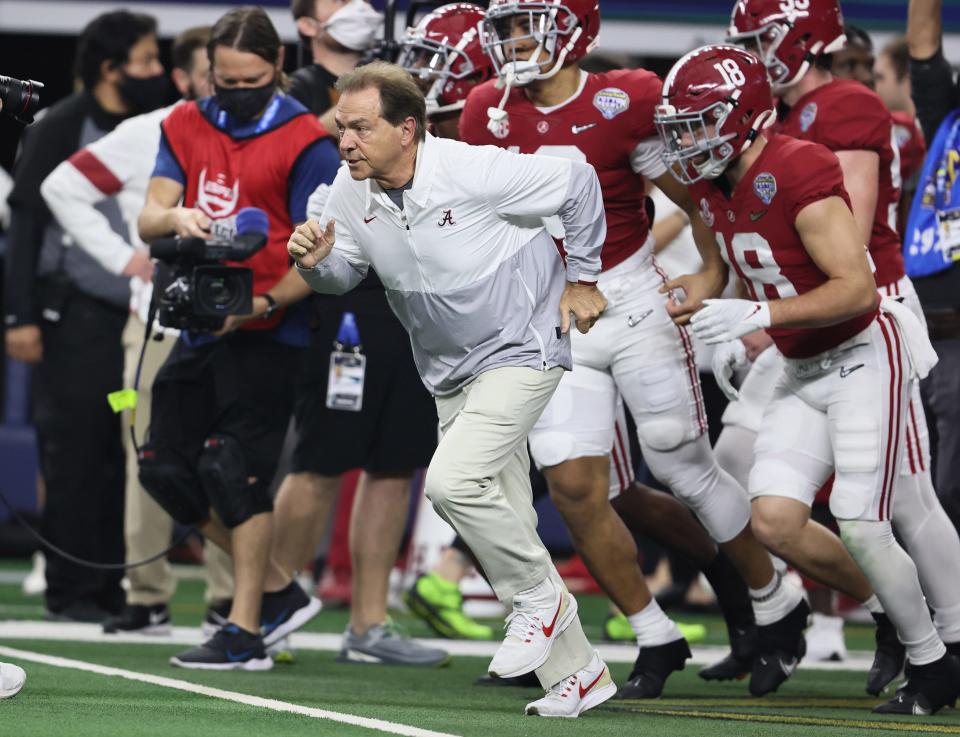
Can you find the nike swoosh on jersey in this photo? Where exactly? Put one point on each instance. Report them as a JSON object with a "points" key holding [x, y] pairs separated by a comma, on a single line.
{"points": [[368, 220], [755, 216], [575, 129], [583, 691], [845, 372]]}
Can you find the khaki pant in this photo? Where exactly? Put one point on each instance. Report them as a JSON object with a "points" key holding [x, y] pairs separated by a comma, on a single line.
{"points": [[147, 528], [479, 481]]}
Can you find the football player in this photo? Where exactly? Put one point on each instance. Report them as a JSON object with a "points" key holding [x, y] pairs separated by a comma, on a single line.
{"points": [[784, 223], [548, 105], [795, 41]]}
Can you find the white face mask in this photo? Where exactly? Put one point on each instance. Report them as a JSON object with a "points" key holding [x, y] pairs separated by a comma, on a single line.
{"points": [[356, 25]]}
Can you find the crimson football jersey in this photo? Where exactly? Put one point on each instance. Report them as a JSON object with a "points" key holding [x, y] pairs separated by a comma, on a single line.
{"points": [[755, 227], [844, 115], [608, 123]]}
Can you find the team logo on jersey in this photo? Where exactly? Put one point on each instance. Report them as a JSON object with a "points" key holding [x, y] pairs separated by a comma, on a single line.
{"points": [[611, 101], [765, 186], [807, 116], [499, 128], [215, 197], [902, 135], [543, 126], [730, 216], [447, 218], [705, 215]]}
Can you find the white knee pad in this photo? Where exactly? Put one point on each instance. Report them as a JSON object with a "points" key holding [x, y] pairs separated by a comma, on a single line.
{"points": [[661, 434], [694, 477]]}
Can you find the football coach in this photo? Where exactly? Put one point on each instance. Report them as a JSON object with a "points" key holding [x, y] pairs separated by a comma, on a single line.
{"points": [[456, 234]]}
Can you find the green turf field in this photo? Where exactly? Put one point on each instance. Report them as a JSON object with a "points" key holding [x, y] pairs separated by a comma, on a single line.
{"points": [[71, 702]]}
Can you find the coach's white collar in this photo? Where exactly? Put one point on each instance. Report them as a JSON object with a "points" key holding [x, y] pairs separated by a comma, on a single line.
{"points": [[422, 177]]}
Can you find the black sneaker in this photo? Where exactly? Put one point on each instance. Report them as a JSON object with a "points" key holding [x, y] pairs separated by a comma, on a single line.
{"points": [[953, 648], [286, 611], [652, 668], [738, 664], [930, 688], [889, 658], [217, 616], [82, 610], [781, 648], [231, 648], [140, 619]]}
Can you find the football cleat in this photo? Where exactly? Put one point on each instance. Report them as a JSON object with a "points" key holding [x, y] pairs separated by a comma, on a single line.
{"points": [[930, 688], [888, 660], [737, 665], [781, 648], [585, 689], [652, 668], [531, 633]]}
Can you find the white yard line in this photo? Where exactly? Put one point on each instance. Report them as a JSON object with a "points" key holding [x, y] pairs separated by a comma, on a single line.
{"points": [[218, 693], [611, 653]]}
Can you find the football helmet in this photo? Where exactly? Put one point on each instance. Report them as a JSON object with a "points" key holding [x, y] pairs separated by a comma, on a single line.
{"points": [[716, 100], [444, 49], [787, 35], [551, 33]]}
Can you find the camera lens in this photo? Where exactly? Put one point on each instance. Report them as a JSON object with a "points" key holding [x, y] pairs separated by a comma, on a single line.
{"points": [[220, 290], [20, 98]]}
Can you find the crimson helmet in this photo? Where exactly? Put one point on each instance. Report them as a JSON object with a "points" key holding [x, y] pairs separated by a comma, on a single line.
{"points": [[557, 31], [716, 100], [444, 48], [787, 35]]}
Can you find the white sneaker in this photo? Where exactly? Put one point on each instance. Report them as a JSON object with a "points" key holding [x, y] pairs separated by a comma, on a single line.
{"points": [[584, 690], [531, 632], [12, 678], [825, 639], [36, 581]]}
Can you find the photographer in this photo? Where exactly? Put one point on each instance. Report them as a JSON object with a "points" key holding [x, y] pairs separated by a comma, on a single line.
{"points": [[66, 313], [222, 402]]}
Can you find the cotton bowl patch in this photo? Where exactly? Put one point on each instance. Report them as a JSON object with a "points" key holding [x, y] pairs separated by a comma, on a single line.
{"points": [[807, 116], [611, 101], [765, 185]]}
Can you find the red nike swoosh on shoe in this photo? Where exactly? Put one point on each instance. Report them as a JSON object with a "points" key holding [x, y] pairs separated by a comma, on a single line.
{"points": [[583, 691], [549, 630]]}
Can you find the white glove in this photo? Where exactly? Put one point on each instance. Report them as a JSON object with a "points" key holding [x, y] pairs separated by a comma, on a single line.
{"points": [[727, 358], [728, 319]]}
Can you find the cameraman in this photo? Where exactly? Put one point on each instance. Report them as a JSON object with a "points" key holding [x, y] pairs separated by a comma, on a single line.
{"points": [[221, 403], [66, 313]]}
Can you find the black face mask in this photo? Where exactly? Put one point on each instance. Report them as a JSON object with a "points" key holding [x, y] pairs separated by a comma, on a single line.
{"points": [[144, 94], [245, 103]]}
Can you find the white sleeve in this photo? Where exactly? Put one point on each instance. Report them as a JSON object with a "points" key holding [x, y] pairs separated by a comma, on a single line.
{"points": [[646, 158], [121, 160], [346, 266], [541, 186]]}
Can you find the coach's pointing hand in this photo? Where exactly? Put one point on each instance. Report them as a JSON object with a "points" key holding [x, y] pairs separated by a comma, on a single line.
{"points": [[585, 301], [309, 245]]}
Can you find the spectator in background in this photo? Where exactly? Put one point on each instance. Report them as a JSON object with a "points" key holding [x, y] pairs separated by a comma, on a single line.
{"points": [[932, 238], [390, 434], [891, 73], [118, 166], [855, 60], [66, 313]]}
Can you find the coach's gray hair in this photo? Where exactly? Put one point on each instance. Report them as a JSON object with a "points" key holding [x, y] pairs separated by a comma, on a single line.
{"points": [[400, 98]]}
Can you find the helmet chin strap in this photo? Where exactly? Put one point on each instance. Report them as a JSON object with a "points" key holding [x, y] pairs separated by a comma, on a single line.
{"points": [[522, 73]]}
